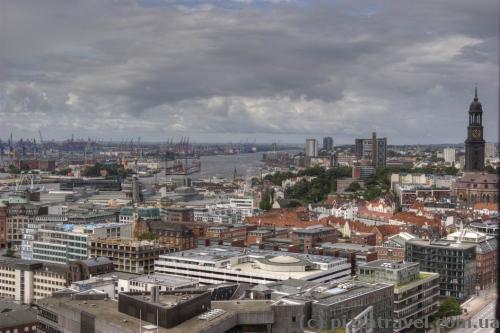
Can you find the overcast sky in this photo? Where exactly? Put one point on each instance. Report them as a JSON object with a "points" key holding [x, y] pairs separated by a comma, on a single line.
{"points": [[231, 70]]}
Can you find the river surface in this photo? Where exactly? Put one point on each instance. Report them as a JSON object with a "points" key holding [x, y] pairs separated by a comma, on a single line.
{"points": [[246, 165]]}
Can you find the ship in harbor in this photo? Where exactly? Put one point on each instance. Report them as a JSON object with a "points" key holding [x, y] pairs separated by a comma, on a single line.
{"points": [[182, 167]]}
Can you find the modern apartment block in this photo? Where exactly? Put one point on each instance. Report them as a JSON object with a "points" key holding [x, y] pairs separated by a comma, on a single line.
{"points": [[486, 254], [416, 293], [218, 264], [325, 303], [129, 255], [26, 280], [455, 262], [373, 150]]}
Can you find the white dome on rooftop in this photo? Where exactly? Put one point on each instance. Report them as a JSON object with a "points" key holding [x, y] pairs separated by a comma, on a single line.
{"points": [[284, 260]]}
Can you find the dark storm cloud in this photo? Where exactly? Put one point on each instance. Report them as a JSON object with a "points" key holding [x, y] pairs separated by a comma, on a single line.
{"points": [[225, 69]]}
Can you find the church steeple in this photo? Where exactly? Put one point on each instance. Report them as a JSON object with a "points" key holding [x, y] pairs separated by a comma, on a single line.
{"points": [[474, 144]]}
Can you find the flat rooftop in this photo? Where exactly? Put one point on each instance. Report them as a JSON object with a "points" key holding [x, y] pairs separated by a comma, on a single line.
{"points": [[442, 244], [348, 246], [389, 264], [165, 280], [13, 314], [108, 311], [220, 253], [337, 293]]}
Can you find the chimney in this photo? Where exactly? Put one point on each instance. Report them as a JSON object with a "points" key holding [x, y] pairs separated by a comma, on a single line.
{"points": [[155, 294]]}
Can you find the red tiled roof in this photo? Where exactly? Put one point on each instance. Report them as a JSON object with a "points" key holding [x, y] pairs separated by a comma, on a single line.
{"points": [[387, 229], [299, 217], [412, 218], [490, 206]]}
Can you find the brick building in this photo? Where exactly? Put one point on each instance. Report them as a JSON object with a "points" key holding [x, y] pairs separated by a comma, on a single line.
{"points": [[312, 236], [364, 238], [176, 235]]}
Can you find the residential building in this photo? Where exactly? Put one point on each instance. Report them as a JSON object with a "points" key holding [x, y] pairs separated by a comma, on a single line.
{"points": [[129, 255], [27, 280], [218, 264], [415, 293], [486, 254], [364, 238], [455, 263], [311, 148], [394, 247]]}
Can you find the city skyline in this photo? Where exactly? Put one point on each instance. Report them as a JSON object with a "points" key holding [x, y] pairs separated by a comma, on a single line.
{"points": [[224, 71]]}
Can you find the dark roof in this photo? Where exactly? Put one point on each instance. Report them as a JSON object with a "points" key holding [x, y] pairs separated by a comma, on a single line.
{"points": [[97, 261], [475, 106], [33, 265], [13, 314]]}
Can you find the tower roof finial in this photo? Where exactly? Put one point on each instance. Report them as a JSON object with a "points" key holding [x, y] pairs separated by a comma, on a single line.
{"points": [[475, 93]]}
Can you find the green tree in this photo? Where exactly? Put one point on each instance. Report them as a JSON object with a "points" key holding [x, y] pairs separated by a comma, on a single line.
{"points": [[353, 187], [14, 169], [147, 236], [449, 307], [266, 201]]}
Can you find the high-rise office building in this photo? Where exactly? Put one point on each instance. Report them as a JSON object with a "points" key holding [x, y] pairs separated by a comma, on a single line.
{"points": [[449, 155], [328, 143], [490, 149], [311, 148], [373, 150]]}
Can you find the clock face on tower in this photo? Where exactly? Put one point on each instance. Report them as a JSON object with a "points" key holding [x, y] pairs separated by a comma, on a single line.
{"points": [[476, 133]]}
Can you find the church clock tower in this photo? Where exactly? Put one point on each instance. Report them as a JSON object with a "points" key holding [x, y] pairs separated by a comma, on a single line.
{"points": [[474, 144]]}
